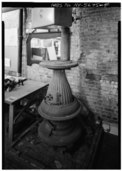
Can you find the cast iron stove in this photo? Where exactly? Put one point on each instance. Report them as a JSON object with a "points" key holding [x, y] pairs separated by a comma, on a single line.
{"points": [[59, 108]]}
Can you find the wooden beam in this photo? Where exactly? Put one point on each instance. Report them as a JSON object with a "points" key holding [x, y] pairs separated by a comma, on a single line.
{"points": [[9, 9]]}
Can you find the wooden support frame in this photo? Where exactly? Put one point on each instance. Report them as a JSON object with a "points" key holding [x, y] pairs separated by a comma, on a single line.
{"points": [[30, 90]]}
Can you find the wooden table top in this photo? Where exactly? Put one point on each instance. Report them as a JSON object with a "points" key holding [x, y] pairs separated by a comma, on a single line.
{"points": [[19, 92]]}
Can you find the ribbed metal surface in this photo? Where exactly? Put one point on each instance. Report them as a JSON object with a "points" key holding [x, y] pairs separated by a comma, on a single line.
{"points": [[59, 89]]}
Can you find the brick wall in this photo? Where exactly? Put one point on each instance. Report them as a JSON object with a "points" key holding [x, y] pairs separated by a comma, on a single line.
{"points": [[98, 64], [94, 43]]}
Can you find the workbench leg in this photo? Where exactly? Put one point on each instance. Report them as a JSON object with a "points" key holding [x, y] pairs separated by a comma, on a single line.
{"points": [[11, 115]]}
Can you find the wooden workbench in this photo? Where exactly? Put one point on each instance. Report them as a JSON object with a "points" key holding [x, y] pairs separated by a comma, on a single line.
{"points": [[29, 89]]}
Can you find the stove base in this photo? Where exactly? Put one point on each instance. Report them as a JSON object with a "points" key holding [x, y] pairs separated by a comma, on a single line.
{"points": [[59, 133]]}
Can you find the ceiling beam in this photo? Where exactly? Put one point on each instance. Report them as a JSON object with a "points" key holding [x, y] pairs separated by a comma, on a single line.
{"points": [[8, 9]]}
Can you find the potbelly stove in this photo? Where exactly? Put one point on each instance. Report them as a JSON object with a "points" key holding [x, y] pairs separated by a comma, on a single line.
{"points": [[59, 108]]}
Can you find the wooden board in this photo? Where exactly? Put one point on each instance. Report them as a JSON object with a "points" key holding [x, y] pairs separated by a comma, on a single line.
{"points": [[22, 91]]}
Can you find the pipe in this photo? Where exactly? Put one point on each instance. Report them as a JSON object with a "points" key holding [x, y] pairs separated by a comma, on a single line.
{"points": [[65, 43], [20, 41]]}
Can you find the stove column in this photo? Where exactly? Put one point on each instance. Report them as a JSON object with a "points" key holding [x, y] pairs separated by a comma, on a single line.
{"points": [[60, 108], [65, 43]]}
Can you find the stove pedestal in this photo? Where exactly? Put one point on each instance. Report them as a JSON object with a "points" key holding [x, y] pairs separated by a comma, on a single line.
{"points": [[59, 133], [59, 108]]}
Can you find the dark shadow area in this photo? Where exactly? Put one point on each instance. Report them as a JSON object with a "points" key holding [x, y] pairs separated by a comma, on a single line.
{"points": [[108, 155], [31, 149]]}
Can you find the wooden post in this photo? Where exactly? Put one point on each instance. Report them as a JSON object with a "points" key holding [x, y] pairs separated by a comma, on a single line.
{"points": [[11, 113]]}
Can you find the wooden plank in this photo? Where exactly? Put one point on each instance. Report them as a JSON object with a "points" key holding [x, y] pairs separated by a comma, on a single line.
{"points": [[93, 149], [24, 132], [11, 114], [31, 158], [36, 156], [23, 91], [86, 154], [46, 155], [13, 161]]}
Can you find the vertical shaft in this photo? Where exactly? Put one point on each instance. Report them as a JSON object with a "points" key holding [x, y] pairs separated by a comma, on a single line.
{"points": [[65, 43]]}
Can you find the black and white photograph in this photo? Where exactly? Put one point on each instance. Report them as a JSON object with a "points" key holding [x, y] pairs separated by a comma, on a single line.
{"points": [[61, 76]]}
